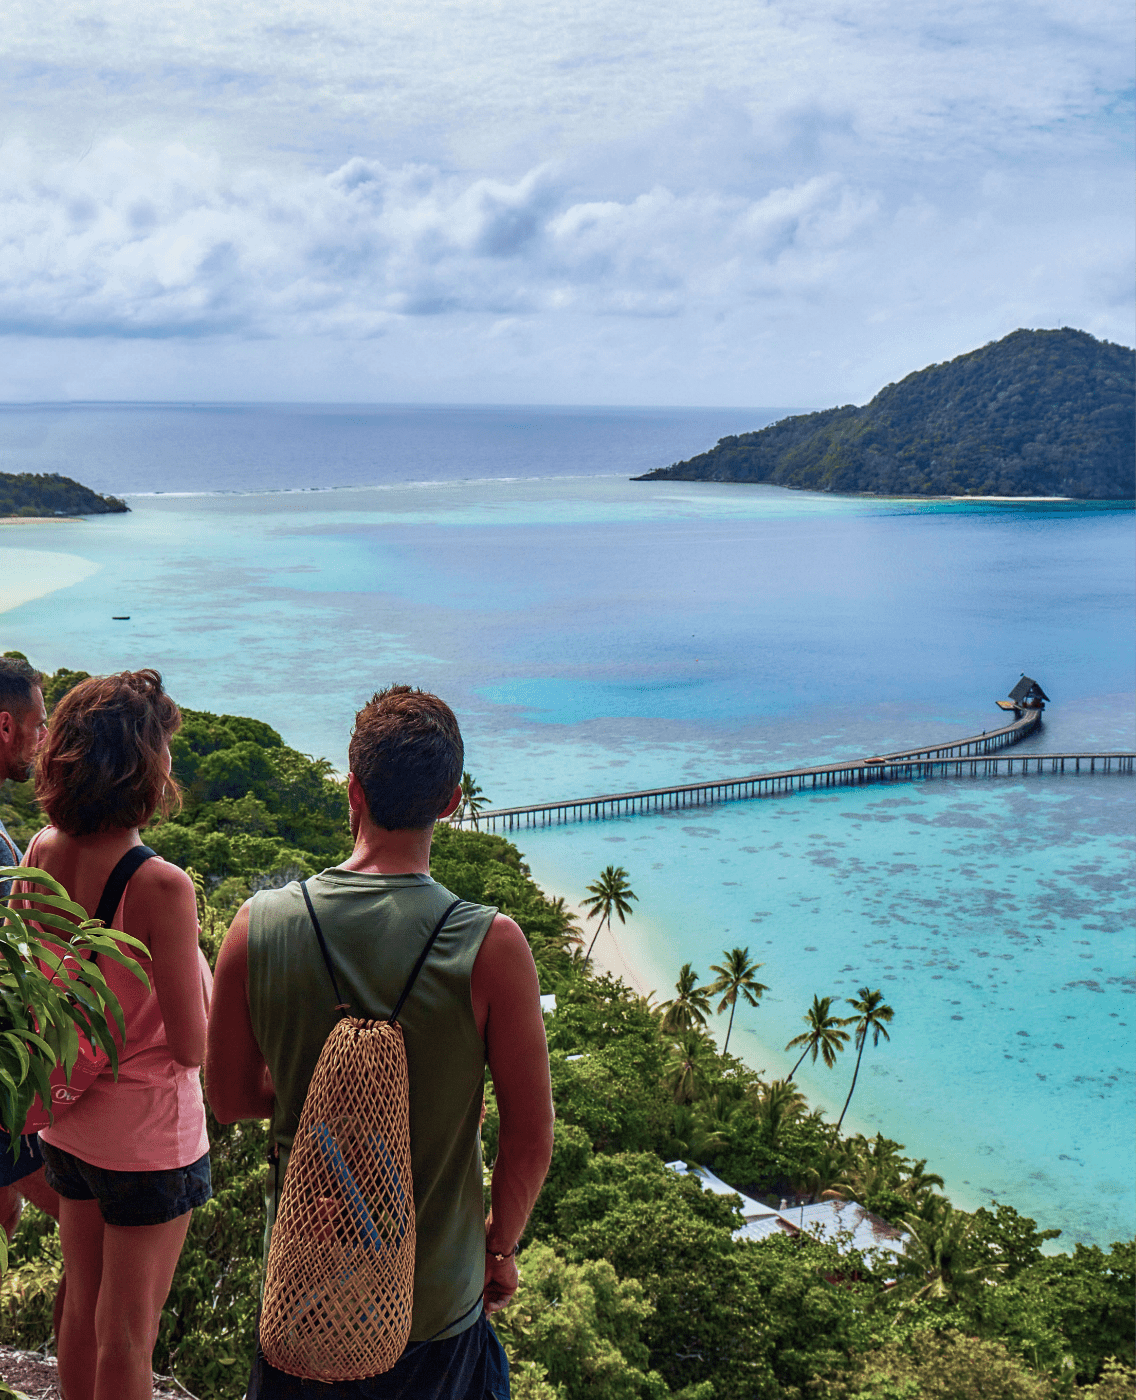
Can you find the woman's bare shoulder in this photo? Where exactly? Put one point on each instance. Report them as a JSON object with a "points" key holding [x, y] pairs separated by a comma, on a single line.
{"points": [[159, 877]]}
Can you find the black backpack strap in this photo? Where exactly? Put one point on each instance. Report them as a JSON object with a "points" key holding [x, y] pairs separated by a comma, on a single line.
{"points": [[116, 884], [422, 956], [342, 1005]]}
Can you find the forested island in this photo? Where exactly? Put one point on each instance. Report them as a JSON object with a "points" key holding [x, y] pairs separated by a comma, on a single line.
{"points": [[48, 494], [1038, 413], [633, 1285]]}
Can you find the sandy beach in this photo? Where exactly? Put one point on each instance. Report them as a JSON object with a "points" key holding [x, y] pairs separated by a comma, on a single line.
{"points": [[625, 953], [27, 574]]}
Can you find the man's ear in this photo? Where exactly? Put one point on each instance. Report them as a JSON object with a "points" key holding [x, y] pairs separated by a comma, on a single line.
{"points": [[356, 797], [452, 806]]}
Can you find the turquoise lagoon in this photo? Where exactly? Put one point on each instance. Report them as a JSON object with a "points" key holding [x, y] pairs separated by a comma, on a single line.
{"points": [[597, 634]]}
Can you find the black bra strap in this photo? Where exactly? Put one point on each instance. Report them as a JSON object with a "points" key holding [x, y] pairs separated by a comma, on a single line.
{"points": [[340, 1004], [116, 884]]}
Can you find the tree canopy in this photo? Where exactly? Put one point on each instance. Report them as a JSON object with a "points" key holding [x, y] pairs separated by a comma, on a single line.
{"points": [[1038, 413], [27, 493], [633, 1284]]}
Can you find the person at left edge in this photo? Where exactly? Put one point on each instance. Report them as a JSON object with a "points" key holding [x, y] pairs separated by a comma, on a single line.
{"points": [[23, 725]]}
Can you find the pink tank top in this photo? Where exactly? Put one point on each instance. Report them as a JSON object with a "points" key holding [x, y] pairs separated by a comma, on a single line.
{"points": [[153, 1117]]}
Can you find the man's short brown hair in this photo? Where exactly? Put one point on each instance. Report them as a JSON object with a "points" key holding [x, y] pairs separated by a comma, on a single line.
{"points": [[103, 764], [18, 678], [406, 752]]}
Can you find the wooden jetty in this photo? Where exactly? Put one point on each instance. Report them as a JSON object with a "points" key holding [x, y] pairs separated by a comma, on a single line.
{"points": [[979, 756]]}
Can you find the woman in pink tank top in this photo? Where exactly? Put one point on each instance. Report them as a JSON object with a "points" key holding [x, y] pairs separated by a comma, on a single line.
{"points": [[130, 1158]]}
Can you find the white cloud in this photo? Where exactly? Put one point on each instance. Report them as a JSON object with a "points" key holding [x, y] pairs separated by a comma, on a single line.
{"points": [[651, 202], [133, 243]]}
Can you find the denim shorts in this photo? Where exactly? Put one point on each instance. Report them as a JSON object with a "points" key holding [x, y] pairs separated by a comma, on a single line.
{"points": [[129, 1198]]}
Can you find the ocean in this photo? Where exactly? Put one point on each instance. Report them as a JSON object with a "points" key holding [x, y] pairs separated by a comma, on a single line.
{"points": [[597, 634]]}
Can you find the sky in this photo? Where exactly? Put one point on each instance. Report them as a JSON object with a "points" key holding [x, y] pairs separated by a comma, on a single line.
{"points": [[553, 201]]}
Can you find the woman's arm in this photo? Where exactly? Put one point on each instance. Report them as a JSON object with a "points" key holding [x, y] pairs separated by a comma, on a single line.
{"points": [[161, 908], [237, 1081]]}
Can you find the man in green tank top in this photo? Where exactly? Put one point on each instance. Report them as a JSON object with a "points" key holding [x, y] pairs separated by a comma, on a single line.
{"points": [[476, 1002]]}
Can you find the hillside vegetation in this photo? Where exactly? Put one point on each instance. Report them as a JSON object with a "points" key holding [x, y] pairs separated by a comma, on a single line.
{"points": [[633, 1286], [25, 493], [1039, 413]]}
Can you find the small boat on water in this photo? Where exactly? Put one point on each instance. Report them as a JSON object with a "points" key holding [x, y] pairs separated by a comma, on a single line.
{"points": [[124, 618]]}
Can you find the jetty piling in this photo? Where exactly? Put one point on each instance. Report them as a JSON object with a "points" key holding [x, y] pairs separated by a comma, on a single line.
{"points": [[980, 755]]}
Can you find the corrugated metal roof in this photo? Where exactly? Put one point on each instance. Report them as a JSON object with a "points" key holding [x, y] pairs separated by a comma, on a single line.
{"points": [[767, 1226], [751, 1209], [846, 1223], [830, 1219]]}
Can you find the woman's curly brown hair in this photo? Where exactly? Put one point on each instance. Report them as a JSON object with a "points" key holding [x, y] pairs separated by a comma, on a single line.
{"points": [[103, 764]]}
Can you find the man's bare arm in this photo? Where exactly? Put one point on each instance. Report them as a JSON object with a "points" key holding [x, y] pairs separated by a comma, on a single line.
{"points": [[506, 1001], [237, 1083]]}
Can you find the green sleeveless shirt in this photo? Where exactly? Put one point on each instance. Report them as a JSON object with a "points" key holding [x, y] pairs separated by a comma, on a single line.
{"points": [[375, 926]]}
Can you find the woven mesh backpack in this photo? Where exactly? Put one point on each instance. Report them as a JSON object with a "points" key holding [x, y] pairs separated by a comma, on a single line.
{"points": [[339, 1285]]}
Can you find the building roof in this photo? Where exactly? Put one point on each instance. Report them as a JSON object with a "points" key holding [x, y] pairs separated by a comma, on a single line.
{"points": [[1027, 687], [830, 1219], [751, 1209], [763, 1228], [846, 1223]]}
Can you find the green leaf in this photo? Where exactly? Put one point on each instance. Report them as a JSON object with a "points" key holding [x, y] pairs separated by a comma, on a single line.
{"points": [[34, 876], [21, 1051]]}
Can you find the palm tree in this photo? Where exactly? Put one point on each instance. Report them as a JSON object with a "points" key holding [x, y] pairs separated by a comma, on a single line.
{"points": [[780, 1103], [823, 1036], [871, 1014], [826, 1174], [472, 800], [690, 1007], [692, 1060], [692, 1138], [940, 1259], [609, 894], [735, 975], [565, 918]]}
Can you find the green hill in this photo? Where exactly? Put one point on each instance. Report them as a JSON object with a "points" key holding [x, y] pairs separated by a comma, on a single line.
{"points": [[1039, 413], [26, 494]]}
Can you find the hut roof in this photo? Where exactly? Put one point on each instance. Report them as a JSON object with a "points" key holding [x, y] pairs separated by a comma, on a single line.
{"points": [[1027, 687]]}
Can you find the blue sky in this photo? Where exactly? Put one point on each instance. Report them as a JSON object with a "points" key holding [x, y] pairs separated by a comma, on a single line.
{"points": [[534, 201]]}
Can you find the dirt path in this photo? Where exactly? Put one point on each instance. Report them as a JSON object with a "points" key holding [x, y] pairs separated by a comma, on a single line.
{"points": [[36, 1377]]}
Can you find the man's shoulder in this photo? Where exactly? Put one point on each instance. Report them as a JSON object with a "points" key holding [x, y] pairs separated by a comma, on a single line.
{"points": [[274, 904]]}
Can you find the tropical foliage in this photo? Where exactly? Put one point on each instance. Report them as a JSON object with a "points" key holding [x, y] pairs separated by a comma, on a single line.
{"points": [[1038, 413], [825, 1035], [610, 894], [471, 802], [634, 1287], [690, 1005], [25, 493], [871, 1018], [52, 994], [735, 978]]}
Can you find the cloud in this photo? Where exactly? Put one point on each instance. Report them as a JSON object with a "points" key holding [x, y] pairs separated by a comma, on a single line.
{"points": [[477, 85], [136, 244], [736, 202]]}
